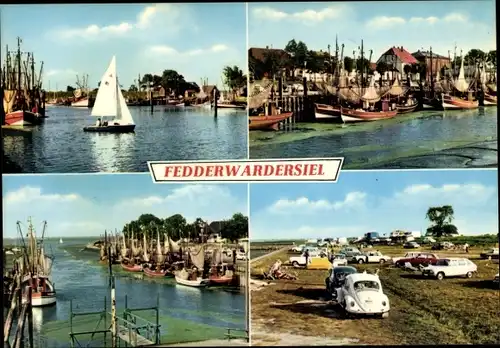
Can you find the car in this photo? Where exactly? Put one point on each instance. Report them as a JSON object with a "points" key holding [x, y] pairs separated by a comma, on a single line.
{"points": [[423, 259], [490, 254], [348, 251], [450, 267], [371, 257], [408, 255], [428, 240], [300, 261], [496, 280], [339, 260], [362, 294], [241, 255], [336, 278], [298, 248], [411, 245], [442, 246]]}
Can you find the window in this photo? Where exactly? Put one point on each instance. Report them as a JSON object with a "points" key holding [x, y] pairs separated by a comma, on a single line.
{"points": [[366, 285], [462, 263], [442, 263]]}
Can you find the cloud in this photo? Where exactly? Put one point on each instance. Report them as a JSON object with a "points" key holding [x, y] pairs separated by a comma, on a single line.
{"points": [[149, 17], [170, 51], [306, 16], [57, 72], [29, 194], [384, 22], [304, 205], [464, 194]]}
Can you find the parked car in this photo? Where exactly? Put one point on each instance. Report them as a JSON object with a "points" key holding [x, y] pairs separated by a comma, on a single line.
{"points": [[362, 293], [490, 254], [298, 248], [339, 260], [423, 259], [411, 245], [348, 251], [496, 280], [442, 246], [300, 261], [428, 240], [241, 255], [336, 278], [450, 267], [408, 255], [371, 257]]}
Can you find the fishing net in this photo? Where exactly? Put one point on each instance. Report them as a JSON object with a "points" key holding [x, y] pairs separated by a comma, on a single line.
{"points": [[259, 95], [174, 247], [198, 257]]}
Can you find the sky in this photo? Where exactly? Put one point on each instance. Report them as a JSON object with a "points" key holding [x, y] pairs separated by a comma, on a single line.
{"points": [[86, 205], [380, 201], [415, 25], [196, 40]]}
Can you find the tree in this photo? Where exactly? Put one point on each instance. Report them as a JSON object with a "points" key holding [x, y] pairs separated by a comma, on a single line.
{"points": [[172, 80], [176, 226], [441, 221], [382, 67], [70, 89], [491, 58], [348, 64], [273, 63], [132, 88], [235, 228], [234, 78], [475, 56]]}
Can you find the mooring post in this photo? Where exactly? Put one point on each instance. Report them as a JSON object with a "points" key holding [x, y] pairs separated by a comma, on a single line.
{"points": [[2, 110], [30, 317], [105, 321], [215, 101], [157, 331], [71, 323], [113, 313], [151, 105]]}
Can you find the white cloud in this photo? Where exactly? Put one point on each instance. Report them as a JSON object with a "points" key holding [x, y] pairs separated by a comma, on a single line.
{"points": [[170, 51], [56, 72], [465, 194], [306, 16], [149, 17], [384, 22], [29, 194], [455, 17], [303, 205], [429, 20]]}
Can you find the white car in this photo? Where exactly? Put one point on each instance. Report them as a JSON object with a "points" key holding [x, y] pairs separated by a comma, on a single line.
{"points": [[298, 248], [496, 280], [450, 267], [241, 256], [339, 260], [371, 257], [298, 261], [362, 293], [407, 256]]}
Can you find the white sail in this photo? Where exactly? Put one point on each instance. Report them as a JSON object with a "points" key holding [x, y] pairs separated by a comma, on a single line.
{"points": [[396, 89], [106, 101], [460, 83], [166, 246], [159, 255], [123, 115], [483, 76], [371, 94], [145, 254], [198, 257]]}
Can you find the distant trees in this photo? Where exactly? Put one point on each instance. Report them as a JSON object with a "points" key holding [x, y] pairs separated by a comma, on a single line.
{"points": [[70, 89], [234, 78], [441, 221], [176, 227]]}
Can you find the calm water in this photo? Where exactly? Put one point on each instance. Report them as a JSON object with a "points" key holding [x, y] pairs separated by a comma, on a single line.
{"points": [[427, 139], [186, 314], [61, 146]]}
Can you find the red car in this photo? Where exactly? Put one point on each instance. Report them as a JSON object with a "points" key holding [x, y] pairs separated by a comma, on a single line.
{"points": [[423, 259]]}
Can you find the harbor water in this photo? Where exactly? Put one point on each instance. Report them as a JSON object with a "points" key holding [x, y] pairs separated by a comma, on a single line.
{"points": [[426, 139], [60, 145], [186, 314]]}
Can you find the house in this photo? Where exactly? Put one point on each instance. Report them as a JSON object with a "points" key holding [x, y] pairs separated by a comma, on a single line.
{"points": [[396, 58], [213, 232], [189, 93], [438, 62], [260, 54]]}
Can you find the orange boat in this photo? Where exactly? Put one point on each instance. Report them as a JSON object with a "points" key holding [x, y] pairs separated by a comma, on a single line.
{"points": [[221, 280], [267, 122], [351, 115], [451, 102], [132, 268], [152, 273]]}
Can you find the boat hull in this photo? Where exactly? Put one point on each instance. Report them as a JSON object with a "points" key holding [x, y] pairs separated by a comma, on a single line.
{"points": [[82, 103], [134, 268], [405, 109], [326, 112], [230, 106], [350, 115], [43, 299], [221, 280], [199, 283], [267, 122], [454, 103], [490, 100], [156, 274], [22, 118], [127, 128]]}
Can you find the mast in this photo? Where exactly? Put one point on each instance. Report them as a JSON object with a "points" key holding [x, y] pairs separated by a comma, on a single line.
{"points": [[362, 65], [18, 64], [432, 76], [330, 60], [454, 58]]}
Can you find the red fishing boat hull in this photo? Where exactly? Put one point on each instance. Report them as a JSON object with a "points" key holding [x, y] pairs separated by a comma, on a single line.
{"points": [[455, 103], [350, 115], [490, 100], [133, 268], [267, 122], [151, 273], [22, 118], [323, 111], [221, 280]]}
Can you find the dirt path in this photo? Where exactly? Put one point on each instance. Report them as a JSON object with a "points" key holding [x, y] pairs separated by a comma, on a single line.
{"points": [[262, 257]]}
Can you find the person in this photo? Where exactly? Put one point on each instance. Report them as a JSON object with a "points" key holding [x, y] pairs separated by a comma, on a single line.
{"points": [[306, 255], [466, 248], [98, 123]]}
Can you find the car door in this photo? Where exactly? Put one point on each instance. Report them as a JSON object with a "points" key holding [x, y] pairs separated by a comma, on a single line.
{"points": [[462, 268]]}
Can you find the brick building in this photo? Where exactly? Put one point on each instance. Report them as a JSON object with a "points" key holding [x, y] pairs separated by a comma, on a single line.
{"points": [[396, 58], [438, 62]]}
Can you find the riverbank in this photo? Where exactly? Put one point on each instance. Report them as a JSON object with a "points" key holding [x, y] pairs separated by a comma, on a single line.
{"points": [[423, 311]]}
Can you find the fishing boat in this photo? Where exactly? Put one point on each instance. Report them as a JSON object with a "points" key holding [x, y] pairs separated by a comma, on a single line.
{"points": [[326, 112], [44, 293], [462, 86], [198, 283], [403, 104], [230, 106], [490, 100], [161, 273], [22, 118], [81, 103], [111, 103], [267, 122], [357, 115], [131, 268], [410, 106]]}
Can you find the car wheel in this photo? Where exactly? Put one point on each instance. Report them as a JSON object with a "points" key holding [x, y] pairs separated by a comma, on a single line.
{"points": [[382, 261], [469, 275], [360, 261], [440, 276], [295, 264], [385, 315]]}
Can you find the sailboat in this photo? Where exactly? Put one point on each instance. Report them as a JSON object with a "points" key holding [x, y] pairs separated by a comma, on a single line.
{"points": [[111, 103], [461, 85], [490, 99], [183, 277]]}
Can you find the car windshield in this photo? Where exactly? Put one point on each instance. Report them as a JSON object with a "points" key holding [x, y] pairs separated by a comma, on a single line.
{"points": [[366, 285], [442, 263]]}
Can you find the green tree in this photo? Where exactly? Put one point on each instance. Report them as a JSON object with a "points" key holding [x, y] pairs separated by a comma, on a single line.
{"points": [[234, 78], [176, 226], [348, 64], [475, 56], [172, 80], [491, 58], [273, 63], [235, 228], [132, 88], [441, 219], [70, 89]]}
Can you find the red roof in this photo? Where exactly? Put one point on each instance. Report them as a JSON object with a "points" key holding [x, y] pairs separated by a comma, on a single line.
{"points": [[403, 55]]}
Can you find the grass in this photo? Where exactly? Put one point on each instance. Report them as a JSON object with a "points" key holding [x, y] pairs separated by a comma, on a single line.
{"points": [[423, 311]]}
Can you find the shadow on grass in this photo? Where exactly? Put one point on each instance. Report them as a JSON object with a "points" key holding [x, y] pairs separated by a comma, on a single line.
{"points": [[413, 276], [482, 284], [310, 294], [327, 310]]}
